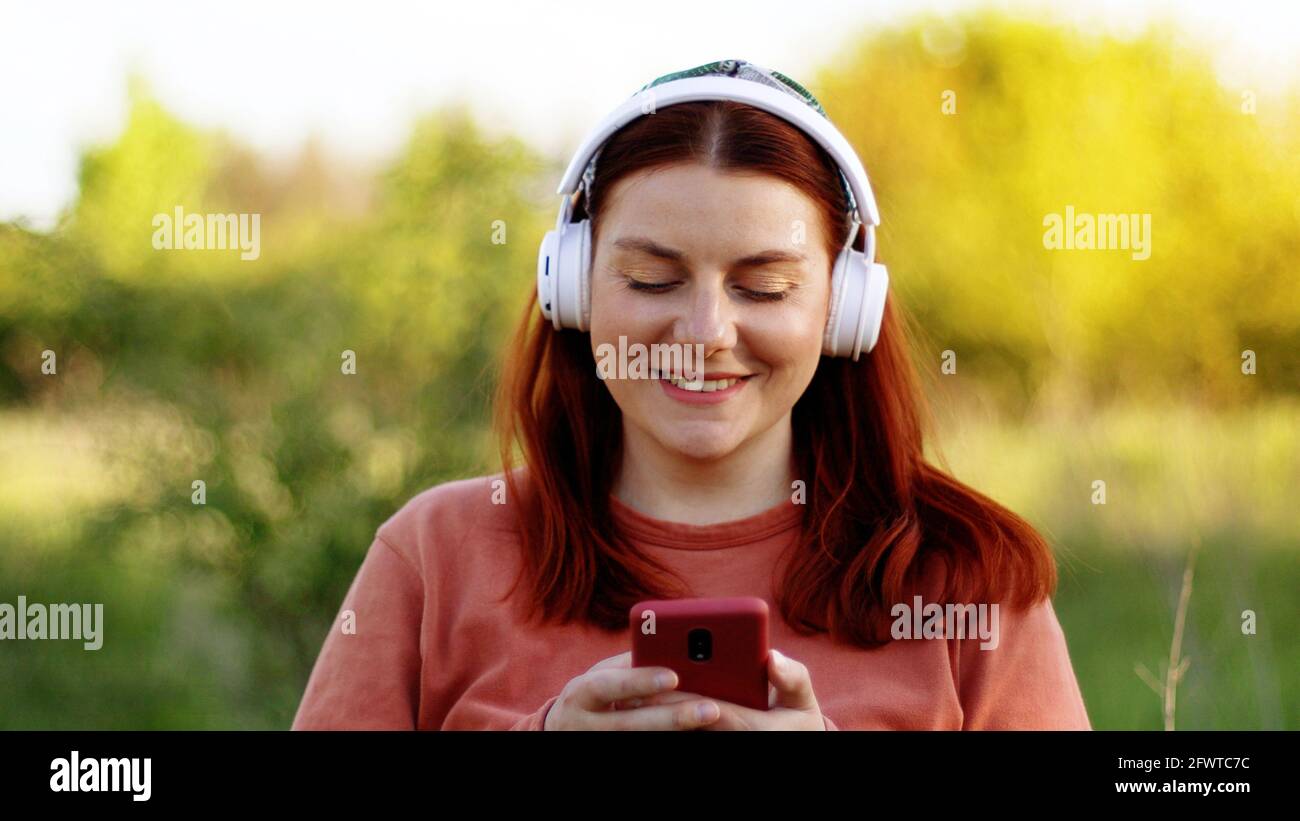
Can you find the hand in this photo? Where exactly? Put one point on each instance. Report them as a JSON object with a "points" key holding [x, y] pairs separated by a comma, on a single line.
{"points": [[589, 702], [792, 703]]}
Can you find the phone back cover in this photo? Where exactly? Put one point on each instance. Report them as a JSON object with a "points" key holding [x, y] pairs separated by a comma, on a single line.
{"points": [[737, 672]]}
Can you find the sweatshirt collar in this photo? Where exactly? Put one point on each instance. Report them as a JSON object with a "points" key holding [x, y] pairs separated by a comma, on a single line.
{"points": [[777, 519]]}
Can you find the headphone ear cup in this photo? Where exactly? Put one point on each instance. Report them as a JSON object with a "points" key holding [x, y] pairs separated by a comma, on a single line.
{"points": [[858, 290], [836, 341], [548, 254], [584, 275], [873, 310], [563, 281]]}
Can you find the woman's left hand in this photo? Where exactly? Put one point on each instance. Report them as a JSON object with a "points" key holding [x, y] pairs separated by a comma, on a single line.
{"points": [[792, 703]]}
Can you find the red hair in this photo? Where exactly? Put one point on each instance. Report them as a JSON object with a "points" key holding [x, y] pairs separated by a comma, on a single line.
{"points": [[876, 510]]}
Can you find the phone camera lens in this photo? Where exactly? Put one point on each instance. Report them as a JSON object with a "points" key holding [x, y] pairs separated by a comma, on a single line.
{"points": [[699, 644]]}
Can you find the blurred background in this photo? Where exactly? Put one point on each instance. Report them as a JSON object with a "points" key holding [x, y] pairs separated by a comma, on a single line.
{"points": [[381, 144]]}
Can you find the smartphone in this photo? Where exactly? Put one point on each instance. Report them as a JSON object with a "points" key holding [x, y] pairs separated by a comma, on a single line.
{"points": [[718, 647]]}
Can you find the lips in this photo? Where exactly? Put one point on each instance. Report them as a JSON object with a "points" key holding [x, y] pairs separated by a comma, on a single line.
{"points": [[704, 392], [710, 376]]}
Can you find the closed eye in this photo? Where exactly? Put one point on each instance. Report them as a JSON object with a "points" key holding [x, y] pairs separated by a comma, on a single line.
{"points": [[653, 287], [766, 296], [661, 287]]}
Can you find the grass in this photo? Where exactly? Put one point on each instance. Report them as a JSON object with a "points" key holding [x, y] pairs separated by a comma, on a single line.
{"points": [[178, 654], [1117, 610]]}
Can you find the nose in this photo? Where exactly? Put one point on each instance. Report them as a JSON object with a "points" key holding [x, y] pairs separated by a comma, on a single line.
{"points": [[709, 319]]}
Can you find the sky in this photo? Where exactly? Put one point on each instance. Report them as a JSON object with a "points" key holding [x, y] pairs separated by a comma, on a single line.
{"points": [[356, 75]]}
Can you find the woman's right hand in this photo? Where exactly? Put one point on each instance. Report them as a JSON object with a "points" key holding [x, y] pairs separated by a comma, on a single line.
{"points": [[614, 695]]}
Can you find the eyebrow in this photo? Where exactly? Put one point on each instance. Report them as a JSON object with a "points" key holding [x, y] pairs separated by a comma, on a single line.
{"points": [[654, 249]]}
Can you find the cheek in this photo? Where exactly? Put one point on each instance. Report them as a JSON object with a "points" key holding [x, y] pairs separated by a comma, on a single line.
{"points": [[617, 317], [791, 335], [789, 343], [617, 310]]}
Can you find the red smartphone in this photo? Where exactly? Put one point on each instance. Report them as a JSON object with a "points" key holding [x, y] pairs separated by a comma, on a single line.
{"points": [[717, 647]]}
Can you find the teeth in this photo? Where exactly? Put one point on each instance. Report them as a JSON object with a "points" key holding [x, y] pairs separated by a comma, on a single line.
{"points": [[702, 386]]}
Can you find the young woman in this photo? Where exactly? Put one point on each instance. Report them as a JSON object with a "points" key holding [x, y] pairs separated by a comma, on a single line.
{"points": [[502, 601]]}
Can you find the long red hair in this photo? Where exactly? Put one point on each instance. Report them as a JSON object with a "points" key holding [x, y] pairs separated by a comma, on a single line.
{"points": [[876, 510]]}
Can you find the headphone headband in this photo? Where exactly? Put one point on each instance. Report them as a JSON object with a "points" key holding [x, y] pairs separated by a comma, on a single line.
{"points": [[742, 91]]}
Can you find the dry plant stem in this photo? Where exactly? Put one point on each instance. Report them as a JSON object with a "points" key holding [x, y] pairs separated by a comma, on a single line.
{"points": [[1177, 664]]}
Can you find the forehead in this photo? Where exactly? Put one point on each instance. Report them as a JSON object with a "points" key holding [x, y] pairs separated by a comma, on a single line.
{"points": [[694, 205]]}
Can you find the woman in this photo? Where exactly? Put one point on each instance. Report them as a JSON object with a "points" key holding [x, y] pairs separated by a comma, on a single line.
{"points": [[502, 601]]}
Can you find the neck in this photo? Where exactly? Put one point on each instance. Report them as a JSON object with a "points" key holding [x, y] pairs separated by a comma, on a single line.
{"points": [[667, 485]]}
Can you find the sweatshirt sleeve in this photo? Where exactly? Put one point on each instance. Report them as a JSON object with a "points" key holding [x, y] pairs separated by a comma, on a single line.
{"points": [[830, 725], [536, 720], [367, 675], [1025, 681]]}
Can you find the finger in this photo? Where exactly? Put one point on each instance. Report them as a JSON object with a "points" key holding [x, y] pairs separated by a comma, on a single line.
{"points": [[735, 717], [792, 682], [666, 697], [619, 661], [602, 688], [692, 714], [731, 716]]}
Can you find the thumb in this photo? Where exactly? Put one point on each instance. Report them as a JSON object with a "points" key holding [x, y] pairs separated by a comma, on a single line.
{"points": [[791, 680], [621, 660]]}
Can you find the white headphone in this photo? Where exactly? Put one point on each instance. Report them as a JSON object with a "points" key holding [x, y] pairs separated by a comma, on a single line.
{"points": [[858, 283]]}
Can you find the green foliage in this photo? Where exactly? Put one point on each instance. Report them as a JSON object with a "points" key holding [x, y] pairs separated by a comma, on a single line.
{"points": [[198, 365], [157, 164], [1050, 116]]}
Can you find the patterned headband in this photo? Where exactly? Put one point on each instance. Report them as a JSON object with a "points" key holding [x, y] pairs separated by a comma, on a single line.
{"points": [[742, 70]]}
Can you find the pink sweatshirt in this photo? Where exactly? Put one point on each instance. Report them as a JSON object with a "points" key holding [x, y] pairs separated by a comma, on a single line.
{"points": [[429, 647]]}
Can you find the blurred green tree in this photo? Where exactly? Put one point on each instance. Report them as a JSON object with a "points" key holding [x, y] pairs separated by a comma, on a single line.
{"points": [[1042, 116]]}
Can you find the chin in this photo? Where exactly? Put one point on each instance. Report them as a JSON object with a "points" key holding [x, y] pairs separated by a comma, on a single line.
{"points": [[705, 446]]}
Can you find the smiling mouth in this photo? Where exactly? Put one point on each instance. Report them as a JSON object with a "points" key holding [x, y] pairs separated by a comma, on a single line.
{"points": [[706, 385]]}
